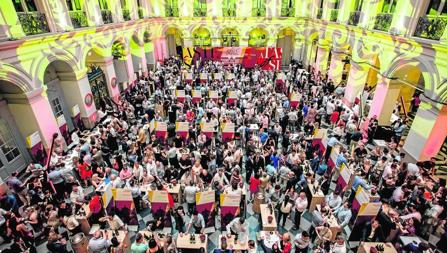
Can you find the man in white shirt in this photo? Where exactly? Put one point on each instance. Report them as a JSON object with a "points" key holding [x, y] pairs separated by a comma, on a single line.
{"points": [[300, 206], [77, 195], [190, 196], [339, 246], [333, 200], [237, 226]]}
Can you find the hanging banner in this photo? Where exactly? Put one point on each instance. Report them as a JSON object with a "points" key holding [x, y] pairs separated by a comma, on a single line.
{"points": [[232, 97], [267, 58], [229, 207], [320, 139], [180, 95], [214, 95], [34, 143], [182, 129], [160, 206], [294, 99], [196, 96], [161, 130], [205, 204], [207, 128], [227, 131], [124, 207]]}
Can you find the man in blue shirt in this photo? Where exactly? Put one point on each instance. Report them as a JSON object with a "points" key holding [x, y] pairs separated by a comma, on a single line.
{"points": [[263, 135]]}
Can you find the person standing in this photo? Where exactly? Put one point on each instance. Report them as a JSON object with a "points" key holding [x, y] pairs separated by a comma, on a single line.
{"points": [[190, 196], [284, 210], [302, 241], [300, 206]]}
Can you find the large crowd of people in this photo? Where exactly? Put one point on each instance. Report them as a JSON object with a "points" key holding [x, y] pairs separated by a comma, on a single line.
{"points": [[272, 154]]}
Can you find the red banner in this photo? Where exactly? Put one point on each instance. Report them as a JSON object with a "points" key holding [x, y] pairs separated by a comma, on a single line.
{"points": [[268, 58]]}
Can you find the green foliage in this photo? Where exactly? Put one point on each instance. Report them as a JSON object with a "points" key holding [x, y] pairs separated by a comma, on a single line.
{"points": [[78, 19], [259, 9], [334, 15], [199, 8], [383, 22], [126, 14], [229, 8], [118, 50], [171, 8], [430, 27]]}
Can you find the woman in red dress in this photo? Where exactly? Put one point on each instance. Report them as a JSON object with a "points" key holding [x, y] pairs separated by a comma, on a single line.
{"points": [[85, 172]]}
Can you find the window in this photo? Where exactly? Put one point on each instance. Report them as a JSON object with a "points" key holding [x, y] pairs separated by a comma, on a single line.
{"points": [[74, 5], [7, 144], [288, 8], [229, 8], [258, 9], [437, 8], [336, 4], [199, 8], [103, 4], [171, 8], [57, 108], [24, 5], [388, 6]]}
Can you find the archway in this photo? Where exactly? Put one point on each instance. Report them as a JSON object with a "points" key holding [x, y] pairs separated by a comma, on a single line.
{"points": [[13, 151], [408, 77], [257, 37], [58, 76], [229, 37], [97, 79], [201, 37], [286, 41], [174, 40]]}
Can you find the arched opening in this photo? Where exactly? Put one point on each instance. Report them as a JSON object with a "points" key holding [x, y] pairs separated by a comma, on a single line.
{"points": [[13, 152], [229, 37], [58, 78], [175, 41], [286, 41], [408, 77], [97, 79], [257, 37], [201, 37]]}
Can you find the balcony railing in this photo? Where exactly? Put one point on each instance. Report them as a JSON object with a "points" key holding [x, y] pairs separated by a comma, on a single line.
{"points": [[229, 12], [383, 22], [171, 11], [126, 14], [431, 27], [33, 22], [288, 12], [140, 13], [354, 18], [334, 15], [78, 19], [258, 12], [199, 12], [106, 16], [319, 13]]}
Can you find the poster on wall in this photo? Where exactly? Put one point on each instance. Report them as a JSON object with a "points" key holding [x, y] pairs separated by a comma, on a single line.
{"points": [[205, 204], [267, 58], [229, 207], [34, 144], [125, 208]]}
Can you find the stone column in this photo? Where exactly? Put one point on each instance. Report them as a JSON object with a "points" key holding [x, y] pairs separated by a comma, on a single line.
{"points": [[32, 112], [243, 8], [336, 68], [384, 101], [138, 58], [214, 8], [92, 12], [428, 131], [322, 59], [161, 49], [298, 49], [76, 90], [57, 15], [110, 76], [357, 77]]}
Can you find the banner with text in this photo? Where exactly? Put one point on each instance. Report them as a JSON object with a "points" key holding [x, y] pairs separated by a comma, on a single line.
{"points": [[268, 58]]}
